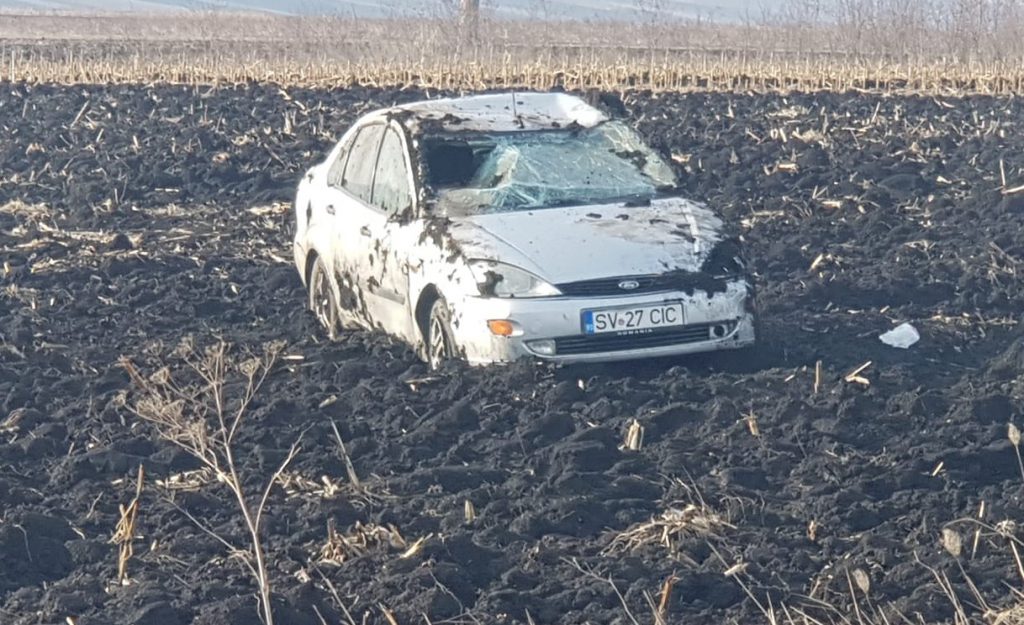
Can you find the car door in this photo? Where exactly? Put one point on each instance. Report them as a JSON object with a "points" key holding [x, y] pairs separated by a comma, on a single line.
{"points": [[349, 198], [393, 235]]}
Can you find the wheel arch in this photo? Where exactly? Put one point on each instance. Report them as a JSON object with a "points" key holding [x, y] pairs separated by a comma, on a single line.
{"points": [[421, 312], [311, 258]]}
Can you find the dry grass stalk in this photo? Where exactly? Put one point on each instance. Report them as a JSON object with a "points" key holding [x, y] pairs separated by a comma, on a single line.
{"points": [[960, 614], [196, 410], [124, 533], [670, 527], [349, 468], [736, 572], [656, 616], [853, 595], [589, 572], [1016, 559], [666, 596], [1013, 615], [388, 614], [977, 531]]}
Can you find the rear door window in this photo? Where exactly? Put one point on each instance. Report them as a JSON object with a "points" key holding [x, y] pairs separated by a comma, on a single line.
{"points": [[337, 171], [362, 162], [391, 189]]}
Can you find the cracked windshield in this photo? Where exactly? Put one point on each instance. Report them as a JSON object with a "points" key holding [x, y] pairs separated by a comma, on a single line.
{"points": [[515, 171]]}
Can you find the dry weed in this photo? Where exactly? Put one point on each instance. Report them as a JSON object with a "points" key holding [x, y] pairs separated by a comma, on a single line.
{"points": [[201, 408], [124, 533]]}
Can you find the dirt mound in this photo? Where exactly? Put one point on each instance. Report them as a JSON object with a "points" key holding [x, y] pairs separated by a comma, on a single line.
{"points": [[132, 217]]}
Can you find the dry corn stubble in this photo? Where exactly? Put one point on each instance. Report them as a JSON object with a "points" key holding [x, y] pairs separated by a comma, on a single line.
{"points": [[952, 542], [435, 53], [360, 540], [124, 533], [633, 439], [1013, 433], [668, 528], [861, 579], [752, 424]]}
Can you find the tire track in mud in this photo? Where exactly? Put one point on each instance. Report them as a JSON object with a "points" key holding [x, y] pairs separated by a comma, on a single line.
{"points": [[136, 216]]}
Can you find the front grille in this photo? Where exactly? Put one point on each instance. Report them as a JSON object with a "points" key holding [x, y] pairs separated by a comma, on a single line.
{"points": [[598, 343], [655, 283]]}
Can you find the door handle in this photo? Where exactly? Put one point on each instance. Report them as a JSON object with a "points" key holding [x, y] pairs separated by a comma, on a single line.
{"points": [[330, 209], [365, 231]]}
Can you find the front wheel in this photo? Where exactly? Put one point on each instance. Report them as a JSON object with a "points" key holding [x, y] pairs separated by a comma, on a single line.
{"points": [[440, 346], [321, 299]]}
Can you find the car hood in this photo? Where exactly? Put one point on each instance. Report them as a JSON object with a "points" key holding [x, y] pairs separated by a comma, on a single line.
{"points": [[585, 242]]}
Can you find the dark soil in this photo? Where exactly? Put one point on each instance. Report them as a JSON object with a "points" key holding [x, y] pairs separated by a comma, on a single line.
{"points": [[860, 212]]}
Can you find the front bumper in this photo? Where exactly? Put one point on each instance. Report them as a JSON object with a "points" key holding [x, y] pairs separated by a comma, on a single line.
{"points": [[724, 320]]}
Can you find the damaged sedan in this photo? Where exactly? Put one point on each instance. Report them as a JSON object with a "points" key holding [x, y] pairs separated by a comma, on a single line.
{"points": [[496, 227]]}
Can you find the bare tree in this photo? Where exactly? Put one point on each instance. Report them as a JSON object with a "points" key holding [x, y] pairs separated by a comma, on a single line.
{"points": [[470, 10]]}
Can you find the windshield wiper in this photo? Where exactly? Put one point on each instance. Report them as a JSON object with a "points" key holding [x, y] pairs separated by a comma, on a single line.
{"points": [[562, 203], [632, 200]]}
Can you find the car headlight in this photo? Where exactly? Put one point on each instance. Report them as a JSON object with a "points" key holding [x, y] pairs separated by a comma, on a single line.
{"points": [[501, 280]]}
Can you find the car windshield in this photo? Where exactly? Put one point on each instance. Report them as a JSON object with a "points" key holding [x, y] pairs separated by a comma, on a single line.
{"points": [[473, 174]]}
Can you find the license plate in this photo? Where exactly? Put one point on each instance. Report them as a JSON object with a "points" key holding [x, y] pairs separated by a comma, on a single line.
{"points": [[634, 319]]}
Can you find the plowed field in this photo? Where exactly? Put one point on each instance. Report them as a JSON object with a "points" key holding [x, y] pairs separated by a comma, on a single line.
{"points": [[136, 216]]}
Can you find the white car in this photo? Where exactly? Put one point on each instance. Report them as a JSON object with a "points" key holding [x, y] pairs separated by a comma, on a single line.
{"points": [[496, 227]]}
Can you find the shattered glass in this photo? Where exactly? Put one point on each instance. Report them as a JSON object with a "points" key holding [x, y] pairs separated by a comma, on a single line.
{"points": [[480, 174]]}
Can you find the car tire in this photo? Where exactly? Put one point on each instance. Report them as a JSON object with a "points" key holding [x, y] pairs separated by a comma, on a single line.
{"points": [[322, 301], [440, 346]]}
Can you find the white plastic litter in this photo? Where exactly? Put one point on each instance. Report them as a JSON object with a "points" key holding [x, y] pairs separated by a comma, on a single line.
{"points": [[902, 336]]}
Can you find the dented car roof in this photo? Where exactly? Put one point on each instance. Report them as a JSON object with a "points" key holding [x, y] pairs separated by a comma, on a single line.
{"points": [[502, 112]]}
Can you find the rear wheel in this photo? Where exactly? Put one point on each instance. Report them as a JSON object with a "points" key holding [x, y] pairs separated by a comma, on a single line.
{"points": [[321, 299], [440, 346]]}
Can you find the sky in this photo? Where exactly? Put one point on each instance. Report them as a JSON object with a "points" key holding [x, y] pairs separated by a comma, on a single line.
{"points": [[723, 10]]}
